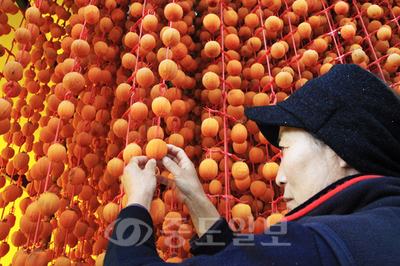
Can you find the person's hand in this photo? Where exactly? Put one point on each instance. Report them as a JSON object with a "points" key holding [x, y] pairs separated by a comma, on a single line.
{"points": [[139, 180], [188, 189], [186, 183]]}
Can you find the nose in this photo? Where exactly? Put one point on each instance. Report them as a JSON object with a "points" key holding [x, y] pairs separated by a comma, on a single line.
{"points": [[281, 178]]}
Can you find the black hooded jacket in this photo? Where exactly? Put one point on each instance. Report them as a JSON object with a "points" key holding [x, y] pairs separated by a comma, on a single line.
{"points": [[355, 221]]}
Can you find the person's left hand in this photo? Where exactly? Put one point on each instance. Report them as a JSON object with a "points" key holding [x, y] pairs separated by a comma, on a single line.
{"points": [[139, 180]]}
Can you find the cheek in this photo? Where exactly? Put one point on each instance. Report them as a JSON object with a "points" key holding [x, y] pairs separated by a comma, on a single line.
{"points": [[300, 173]]}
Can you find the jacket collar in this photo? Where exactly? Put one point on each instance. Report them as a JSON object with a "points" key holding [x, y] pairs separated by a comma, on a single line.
{"points": [[349, 195]]}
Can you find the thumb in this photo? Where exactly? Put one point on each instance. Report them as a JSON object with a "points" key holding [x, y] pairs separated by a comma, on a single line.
{"points": [[171, 166], [151, 165]]}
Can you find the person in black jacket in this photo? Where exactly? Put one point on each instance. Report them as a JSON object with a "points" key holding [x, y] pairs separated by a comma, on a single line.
{"points": [[340, 137]]}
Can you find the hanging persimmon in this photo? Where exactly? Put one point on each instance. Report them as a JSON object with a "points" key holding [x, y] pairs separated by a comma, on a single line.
{"points": [[212, 49], [38, 257], [211, 22], [4, 248], [170, 37], [63, 260], [256, 155], [177, 139], [157, 211], [208, 169], [13, 71], [168, 69], [115, 167], [120, 127], [234, 68], [131, 150], [48, 203], [73, 82], [157, 149], [80, 229], [110, 212], [310, 57], [66, 109], [76, 176], [231, 18], [173, 12], [278, 50], [148, 42], [274, 218], [68, 218], [304, 29], [270, 171], [240, 170], [145, 77], [91, 14], [80, 48], [150, 22], [241, 214], [5, 109], [139, 111], [239, 133], [215, 187], [57, 153], [211, 80], [32, 15], [129, 61], [257, 71], [161, 106], [347, 32], [283, 80], [261, 99], [172, 222], [23, 35], [258, 188], [21, 160], [209, 127], [4, 230], [178, 107]]}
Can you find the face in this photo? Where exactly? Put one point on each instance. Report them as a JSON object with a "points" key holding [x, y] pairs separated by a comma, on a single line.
{"points": [[307, 166]]}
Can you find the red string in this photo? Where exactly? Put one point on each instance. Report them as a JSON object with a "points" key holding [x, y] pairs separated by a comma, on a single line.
{"points": [[369, 40]]}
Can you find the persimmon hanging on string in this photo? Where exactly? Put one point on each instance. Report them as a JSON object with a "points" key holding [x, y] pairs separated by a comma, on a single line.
{"points": [[168, 69], [209, 127], [56, 153], [173, 12], [13, 71], [48, 203], [156, 149], [170, 37], [145, 77], [208, 169], [211, 80], [91, 14], [131, 150], [161, 106], [240, 170]]}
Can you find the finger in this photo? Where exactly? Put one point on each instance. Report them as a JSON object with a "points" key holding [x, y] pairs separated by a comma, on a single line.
{"points": [[139, 160], [173, 158], [171, 166], [177, 152], [151, 165], [166, 181], [173, 150]]}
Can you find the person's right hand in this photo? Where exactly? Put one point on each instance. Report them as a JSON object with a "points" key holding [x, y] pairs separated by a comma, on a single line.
{"points": [[188, 189], [186, 183]]}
